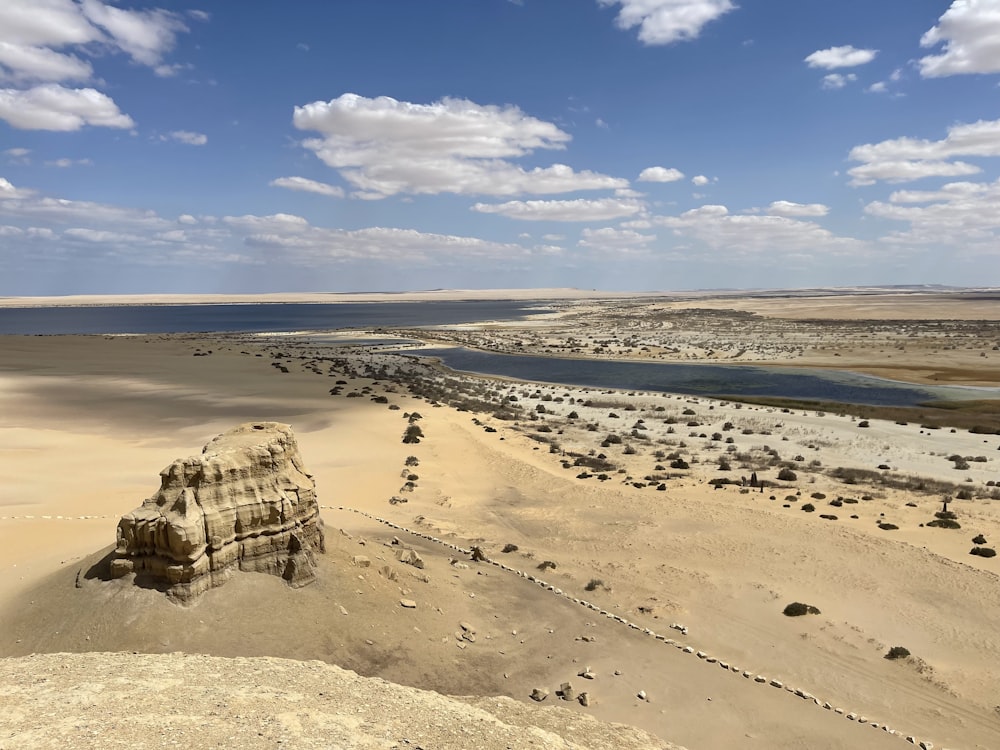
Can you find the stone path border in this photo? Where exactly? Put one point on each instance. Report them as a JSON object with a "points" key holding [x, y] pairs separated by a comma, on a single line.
{"points": [[731, 668]]}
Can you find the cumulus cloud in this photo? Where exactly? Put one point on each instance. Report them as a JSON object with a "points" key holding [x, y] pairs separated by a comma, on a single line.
{"points": [[385, 147], [840, 57], [905, 159], [87, 230], [188, 137], [970, 32], [611, 239], [305, 185], [838, 80], [65, 163], [700, 180], [714, 226], [54, 107], [789, 209], [603, 209], [959, 215], [660, 174], [668, 21], [38, 40]]}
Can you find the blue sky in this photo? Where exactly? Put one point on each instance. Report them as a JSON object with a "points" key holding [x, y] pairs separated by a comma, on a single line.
{"points": [[602, 144]]}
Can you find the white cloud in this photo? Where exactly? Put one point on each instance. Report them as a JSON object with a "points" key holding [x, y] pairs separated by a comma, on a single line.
{"points": [[301, 242], [602, 209], [700, 180], [840, 57], [54, 107], [37, 41], [789, 209], [838, 81], [668, 21], [385, 147], [970, 32], [308, 186], [609, 238], [21, 62], [660, 174], [961, 215], [186, 136], [878, 88], [718, 229], [145, 35], [905, 159], [65, 163]]}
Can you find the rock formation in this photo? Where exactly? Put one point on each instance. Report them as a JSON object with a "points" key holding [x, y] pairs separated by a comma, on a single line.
{"points": [[245, 503]]}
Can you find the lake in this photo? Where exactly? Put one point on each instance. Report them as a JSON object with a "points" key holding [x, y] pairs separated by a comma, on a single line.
{"points": [[277, 317], [717, 381]]}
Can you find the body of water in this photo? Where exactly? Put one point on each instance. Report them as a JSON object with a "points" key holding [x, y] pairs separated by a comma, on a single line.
{"points": [[717, 381], [277, 317]]}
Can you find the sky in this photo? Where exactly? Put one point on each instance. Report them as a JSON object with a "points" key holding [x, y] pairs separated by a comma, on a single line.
{"points": [[394, 145]]}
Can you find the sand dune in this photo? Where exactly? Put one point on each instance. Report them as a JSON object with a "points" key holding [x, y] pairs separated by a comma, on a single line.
{"points": [[87, 422]]}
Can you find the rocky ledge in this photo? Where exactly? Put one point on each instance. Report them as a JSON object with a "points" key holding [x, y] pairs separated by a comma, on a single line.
{"points": [[90, 701], [246, 503]]}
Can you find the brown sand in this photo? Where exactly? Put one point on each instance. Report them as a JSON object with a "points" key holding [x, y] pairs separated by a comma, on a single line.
{"points": [[86, 422]]}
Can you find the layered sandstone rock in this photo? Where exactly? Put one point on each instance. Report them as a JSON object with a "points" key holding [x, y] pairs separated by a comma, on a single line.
{"points": [[246, 503]]}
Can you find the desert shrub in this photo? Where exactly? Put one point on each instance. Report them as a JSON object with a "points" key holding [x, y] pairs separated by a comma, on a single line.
{"points": [[412, 434], [828, 516], [963, 495], [979, 539], [546, 564], [897, 652], [797, 609], [863, 423], [724, 465], [888, 526], [818, 496], [983, 551], [593, 584], [679, 463], [787, 475], [396, 500], [412, 461], [808, 507], [509, 547], [945, 523]]}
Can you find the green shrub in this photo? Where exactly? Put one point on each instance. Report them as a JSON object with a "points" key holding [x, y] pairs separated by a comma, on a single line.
{"points": [[897, 652], [546, 564], [412, 434], [944, 523], [797, 609], [509, 547], [808, 507], [787, 475]]}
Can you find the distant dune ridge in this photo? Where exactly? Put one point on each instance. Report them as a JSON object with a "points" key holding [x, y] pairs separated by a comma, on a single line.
{"points": [[245, 503]]}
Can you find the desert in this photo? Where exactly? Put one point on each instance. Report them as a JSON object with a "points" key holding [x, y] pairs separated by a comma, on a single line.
{"points": [[637, 547]]}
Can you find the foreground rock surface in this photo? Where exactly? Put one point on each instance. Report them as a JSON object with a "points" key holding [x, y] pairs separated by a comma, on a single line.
{"points": [[106, 701], [246, 503]]}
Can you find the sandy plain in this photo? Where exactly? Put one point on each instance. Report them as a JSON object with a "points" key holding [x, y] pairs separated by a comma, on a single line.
{"points": [[87, 422]]}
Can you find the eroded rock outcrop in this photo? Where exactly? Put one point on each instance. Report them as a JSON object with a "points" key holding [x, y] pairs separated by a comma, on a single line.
{"points": [[246, 503]]}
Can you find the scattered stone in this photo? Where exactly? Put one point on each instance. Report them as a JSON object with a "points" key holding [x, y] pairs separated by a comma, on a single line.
{"points": [[410, 557], [641, 695], [407, 603], [566, 692], [539, 694], [584, 699], [361, 561]]}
